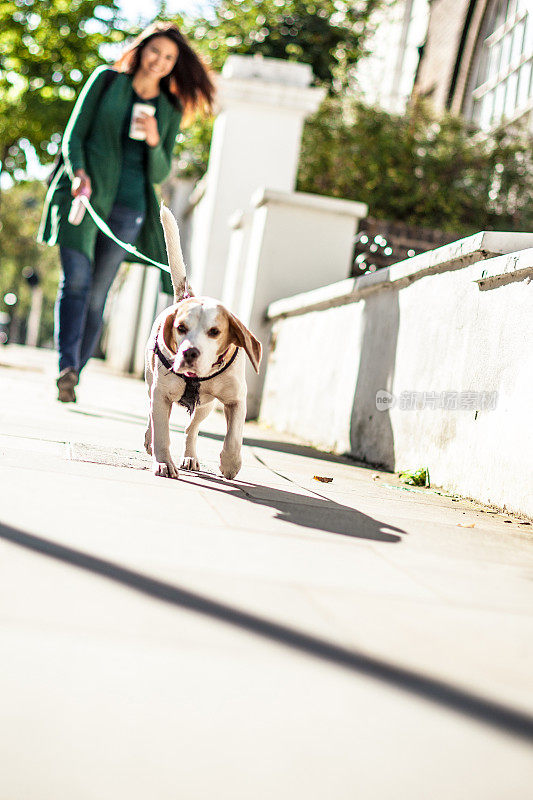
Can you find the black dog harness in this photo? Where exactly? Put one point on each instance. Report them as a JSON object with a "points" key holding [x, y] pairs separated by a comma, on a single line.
{"points": [[191, 396]]}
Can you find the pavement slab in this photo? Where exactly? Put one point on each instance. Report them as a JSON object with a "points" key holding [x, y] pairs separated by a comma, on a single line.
{"points": [[270, 636]]}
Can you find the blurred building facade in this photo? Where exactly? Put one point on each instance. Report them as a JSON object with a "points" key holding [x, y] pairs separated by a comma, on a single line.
{"points": [[386, 76], [471, 57], [477, 60]]}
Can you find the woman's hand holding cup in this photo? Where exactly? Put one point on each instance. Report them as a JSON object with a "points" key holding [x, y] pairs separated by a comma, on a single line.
{"points": [[81, 187], [144, 124], [149, 125]]}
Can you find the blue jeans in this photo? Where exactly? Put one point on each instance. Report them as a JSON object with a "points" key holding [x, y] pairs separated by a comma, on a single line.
{"points": [[84, 287]]}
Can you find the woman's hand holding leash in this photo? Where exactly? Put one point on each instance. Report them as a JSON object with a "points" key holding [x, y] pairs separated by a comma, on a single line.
{"points": [[81, 184], [81, 187]]}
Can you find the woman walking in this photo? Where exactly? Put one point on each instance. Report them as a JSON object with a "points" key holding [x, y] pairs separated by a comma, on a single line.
{"points": [[116, 160]]}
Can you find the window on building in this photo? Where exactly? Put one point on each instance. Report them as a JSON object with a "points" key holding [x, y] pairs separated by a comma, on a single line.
{"points": [[503, 67]]}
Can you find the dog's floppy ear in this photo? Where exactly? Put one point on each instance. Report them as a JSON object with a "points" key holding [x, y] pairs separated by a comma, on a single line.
{"points": [[242, 337], [167, 332]]}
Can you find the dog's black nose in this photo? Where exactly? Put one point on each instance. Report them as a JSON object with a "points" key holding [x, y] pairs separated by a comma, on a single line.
{"points": [[191, 354]]}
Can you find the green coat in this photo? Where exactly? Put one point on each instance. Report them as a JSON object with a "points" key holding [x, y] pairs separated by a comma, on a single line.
{"points": [[92, 141]]}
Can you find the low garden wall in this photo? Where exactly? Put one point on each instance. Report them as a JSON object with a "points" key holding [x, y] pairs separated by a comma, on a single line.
{"points": [[428, 363]]}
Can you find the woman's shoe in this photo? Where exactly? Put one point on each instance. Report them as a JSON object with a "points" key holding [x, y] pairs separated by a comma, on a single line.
{"points": [[68, 378]]}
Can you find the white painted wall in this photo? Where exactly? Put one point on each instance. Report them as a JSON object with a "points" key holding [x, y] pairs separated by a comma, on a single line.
{"points": [[178, 192], [418, 331], [121, 325], [256, 141], [240, 224], [286, 242], [129, 314]]}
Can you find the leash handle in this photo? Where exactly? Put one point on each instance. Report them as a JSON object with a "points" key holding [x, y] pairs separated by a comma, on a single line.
{"points": [[106, 230]]}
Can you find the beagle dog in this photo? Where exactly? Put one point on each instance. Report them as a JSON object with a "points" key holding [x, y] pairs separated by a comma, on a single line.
{"points": [[195, 355]]}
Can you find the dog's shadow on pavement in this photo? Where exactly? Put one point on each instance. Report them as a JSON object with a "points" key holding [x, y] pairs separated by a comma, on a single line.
{"points": [[315, 513], [312, 512]]}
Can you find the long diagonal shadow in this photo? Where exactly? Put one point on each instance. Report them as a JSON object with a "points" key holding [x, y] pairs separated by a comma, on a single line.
{"points": [[494, 714]]}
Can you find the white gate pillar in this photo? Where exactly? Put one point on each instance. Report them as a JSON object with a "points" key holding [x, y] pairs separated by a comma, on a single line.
{"points": [[256, 142]]}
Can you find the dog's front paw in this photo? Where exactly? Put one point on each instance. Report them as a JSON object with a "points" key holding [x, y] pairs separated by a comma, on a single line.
{"points": [[165, 469], [229, 465], [190, 464]]}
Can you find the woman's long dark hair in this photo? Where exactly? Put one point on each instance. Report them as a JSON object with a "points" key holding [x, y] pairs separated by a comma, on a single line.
{"points": [[189, 85]]}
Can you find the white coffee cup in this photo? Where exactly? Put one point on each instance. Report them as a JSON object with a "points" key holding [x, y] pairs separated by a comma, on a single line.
{"points": [[138, 109]]}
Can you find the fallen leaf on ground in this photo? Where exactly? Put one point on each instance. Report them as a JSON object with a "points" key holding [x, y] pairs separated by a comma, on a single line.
{"points": [[322, 479], [376, 477], [466, 525]]}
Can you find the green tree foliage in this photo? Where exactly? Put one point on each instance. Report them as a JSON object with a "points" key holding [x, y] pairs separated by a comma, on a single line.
{"points": [[19, 219], [327, 34], [47, 49], [419, 169]]}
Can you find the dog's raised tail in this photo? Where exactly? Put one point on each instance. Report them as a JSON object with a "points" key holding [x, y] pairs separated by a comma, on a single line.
{"points": [[174, 253]]}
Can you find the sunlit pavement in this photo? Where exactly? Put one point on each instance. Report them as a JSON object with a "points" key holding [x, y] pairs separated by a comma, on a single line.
{"points": [[268, 637]]}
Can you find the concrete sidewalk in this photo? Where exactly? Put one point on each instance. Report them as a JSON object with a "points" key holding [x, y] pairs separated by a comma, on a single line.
{"points": [[268, 637]]}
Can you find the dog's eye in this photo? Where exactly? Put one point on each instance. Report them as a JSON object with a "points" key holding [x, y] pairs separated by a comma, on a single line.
{"points": [[213, 332], [181, 328]]}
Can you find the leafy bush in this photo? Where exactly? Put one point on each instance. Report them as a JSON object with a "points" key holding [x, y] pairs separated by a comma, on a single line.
{"points": [[419, 169]]}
